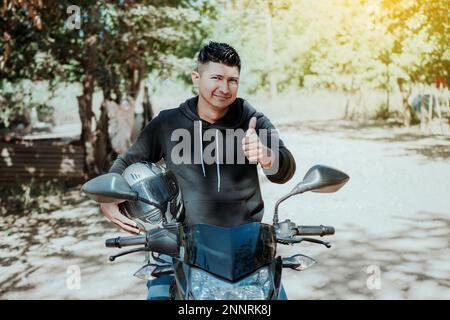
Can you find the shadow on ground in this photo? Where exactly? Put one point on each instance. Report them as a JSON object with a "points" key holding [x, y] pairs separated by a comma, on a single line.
{"points": [[411, 263], [411, 140], [433, 152], [36, 251]]}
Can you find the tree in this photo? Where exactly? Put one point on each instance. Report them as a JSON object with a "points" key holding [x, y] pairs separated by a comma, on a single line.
{"points": [[116, 45], [345, 45], [421, 53]]}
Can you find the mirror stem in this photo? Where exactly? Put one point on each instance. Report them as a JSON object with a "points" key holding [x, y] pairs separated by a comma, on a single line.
{"points": [[275, 216]]}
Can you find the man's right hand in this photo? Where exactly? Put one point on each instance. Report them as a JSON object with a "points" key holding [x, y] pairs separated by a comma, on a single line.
{"points": [[112, 212]]}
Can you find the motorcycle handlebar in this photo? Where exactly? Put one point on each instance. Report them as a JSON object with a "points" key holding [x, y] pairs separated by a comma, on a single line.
{"points": [[158, 240], [314, 231], [120, 242]]}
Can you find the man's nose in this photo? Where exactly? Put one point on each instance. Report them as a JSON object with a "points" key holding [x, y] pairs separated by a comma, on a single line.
{"points": [[224, 86]]}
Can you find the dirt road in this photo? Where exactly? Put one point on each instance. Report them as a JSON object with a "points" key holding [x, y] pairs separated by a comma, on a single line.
{"points": [[392, 225]]}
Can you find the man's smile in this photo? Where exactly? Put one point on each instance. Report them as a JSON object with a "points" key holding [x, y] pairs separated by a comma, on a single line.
{"points": [[220, 97]]}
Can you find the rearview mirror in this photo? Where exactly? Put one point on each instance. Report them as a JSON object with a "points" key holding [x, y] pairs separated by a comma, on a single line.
{"points": [[318, 179], [109, 188], [321, 179]]}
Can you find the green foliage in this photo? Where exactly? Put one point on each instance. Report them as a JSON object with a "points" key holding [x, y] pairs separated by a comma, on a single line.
{"points": [[345, 45], [32, 197], [17, 103], [111, 45], [116, 42], [14, 105], [384, 113], [45, 112], [340, 44], [12, 109]]}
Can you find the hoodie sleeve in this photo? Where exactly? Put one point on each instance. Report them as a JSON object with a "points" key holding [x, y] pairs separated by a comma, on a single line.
{"points": [[286, 167], [147, 147]]}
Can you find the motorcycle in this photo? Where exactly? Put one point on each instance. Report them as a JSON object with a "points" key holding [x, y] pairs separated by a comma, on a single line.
{"points": [[209, 262]]}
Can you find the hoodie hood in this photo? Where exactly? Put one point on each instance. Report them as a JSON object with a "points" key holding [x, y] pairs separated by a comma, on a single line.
{"points": [[236, 116], [230, 195]]}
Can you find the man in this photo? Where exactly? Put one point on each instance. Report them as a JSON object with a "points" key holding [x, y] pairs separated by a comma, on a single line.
{"points": [[217, 187], [212, 143]]}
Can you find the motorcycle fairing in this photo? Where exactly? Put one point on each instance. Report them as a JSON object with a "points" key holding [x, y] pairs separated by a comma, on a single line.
{"points": [[229, 253]]}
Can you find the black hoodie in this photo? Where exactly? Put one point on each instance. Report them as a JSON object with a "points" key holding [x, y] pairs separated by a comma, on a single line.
{"points": [[218, 192]]}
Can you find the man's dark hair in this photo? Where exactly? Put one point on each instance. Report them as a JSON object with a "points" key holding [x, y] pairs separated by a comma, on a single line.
{"points": [[219, 53]]}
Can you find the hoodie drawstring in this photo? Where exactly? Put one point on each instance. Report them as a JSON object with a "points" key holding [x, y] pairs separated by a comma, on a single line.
{"points": [[201, 146], [217, 154], [217, 160]]}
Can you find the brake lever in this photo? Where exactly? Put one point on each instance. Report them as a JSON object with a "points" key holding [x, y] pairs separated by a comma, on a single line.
{"points": [[286, 241], [112, 258], [326, 244], [292, 240]]}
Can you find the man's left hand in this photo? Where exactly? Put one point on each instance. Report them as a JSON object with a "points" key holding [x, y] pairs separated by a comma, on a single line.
{"points": [[253, 148]]}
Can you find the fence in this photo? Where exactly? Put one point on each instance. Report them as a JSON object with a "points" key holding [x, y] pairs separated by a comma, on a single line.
{"points": [[41, 160]]}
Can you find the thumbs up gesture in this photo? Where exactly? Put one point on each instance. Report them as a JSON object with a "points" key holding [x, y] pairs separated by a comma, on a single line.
{"points": [[253, 148]]}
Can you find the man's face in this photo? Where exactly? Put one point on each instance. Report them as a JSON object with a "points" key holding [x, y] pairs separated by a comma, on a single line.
{"points": [[217, 83]]}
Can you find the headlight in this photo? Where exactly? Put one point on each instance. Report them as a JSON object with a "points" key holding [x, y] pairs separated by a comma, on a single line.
{"points": [[256, 286]]}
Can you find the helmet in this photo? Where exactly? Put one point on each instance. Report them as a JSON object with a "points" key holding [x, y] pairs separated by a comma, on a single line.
{"points": [[158, 185]]}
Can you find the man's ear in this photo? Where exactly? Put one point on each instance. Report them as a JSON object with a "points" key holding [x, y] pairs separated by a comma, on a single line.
{"points": [[195, 77]]}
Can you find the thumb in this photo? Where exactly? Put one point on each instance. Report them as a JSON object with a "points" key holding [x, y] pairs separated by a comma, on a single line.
{"points": [[252, 123], [251, 126]]}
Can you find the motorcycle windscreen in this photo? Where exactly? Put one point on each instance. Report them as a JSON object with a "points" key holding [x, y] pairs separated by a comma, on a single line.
{"points": [[230, 253]]}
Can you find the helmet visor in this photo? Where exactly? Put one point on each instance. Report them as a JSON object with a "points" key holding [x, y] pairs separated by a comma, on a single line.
{"points": [[159, 189]]}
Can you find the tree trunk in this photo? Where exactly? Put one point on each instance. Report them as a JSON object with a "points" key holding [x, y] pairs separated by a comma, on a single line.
{"points": [[147, 107], [406, 93], [134, 81], [347, 106], [272, 79], [388, 90], [423, 116], [104, 152], [87, 136], [97, 145]]}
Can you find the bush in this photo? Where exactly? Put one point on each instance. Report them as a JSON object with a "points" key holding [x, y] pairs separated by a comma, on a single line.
{"points": [[45, 113], [383, 113], [32, 197]]}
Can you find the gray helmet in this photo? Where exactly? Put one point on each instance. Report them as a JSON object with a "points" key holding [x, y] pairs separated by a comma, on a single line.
{"points": [[158, 185]]}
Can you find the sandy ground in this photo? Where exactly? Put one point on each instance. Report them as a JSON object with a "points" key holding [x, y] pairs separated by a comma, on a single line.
{"points": [[392, 226]]}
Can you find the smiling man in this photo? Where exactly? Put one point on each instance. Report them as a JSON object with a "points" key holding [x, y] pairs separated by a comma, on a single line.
{"points": [[218, 192], [218, 181]]}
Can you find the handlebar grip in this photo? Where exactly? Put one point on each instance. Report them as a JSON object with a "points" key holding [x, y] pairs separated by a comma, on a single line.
{"points": [[110, 243], [120, 242], [314, 230]]}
